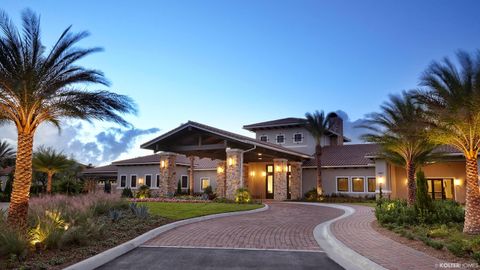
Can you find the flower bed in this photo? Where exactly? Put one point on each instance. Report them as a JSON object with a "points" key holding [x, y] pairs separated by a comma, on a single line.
{"points": [[173, 200]]}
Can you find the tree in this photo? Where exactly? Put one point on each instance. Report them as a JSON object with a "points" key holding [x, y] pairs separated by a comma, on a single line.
{"points": [[7, 154], [401, 134], [49, 161], [317, 124], [38, 87], [451, 94], [423, 202]]}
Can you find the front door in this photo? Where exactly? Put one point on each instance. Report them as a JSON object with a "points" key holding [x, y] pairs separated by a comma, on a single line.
{"points": [[269, 182]]}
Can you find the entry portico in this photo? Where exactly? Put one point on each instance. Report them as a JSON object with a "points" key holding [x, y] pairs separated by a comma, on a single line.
{"points": [[266, 170]]}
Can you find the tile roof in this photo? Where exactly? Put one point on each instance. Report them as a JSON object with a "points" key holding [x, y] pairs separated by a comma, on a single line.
{"points": [[102, 169], [347, 155], [289, 121]]}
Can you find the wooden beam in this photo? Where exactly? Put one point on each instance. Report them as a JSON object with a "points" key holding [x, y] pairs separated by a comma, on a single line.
{"points": [[205, 147]]}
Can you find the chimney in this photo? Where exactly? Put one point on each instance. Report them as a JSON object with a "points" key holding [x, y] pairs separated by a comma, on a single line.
{"points": [[336, 125]]}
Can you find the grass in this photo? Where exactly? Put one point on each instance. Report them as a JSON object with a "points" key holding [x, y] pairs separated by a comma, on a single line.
{"points": [[179, 211]]}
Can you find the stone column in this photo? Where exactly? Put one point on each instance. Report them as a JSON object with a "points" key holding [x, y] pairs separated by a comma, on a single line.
{"points": [[280, 179], [221, 177], [191, 176], [233, 172], [168, 179], [295, 180]]}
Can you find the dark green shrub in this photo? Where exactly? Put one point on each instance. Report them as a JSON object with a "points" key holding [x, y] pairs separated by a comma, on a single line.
{"points": [[12, 242], [423, 201], [476, 256], [311, 195], [457, 248], [179, 187], [209, 193], [127, 193], [396, 212], [143, 192], [242, 195], [431, 243], [68, 186]]}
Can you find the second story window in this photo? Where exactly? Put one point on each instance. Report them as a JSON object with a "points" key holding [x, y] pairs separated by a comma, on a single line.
{"points": [[280, 139], [298, 138], [264, 138]]}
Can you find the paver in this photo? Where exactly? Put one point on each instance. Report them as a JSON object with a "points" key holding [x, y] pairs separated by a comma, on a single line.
{"points": [[283, 226], [357, 233]]}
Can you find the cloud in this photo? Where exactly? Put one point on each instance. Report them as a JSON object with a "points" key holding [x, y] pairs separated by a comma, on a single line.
{"points": [[84, 143], [350, 128]]}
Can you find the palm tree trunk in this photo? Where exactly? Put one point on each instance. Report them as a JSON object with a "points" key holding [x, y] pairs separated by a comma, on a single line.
{"points": [[472, 204], [411, 185], [18, 210], [318, 158], [49, 182]]}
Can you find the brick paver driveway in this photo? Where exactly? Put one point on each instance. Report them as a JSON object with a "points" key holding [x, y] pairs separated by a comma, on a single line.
{"points": [[284, 226]]}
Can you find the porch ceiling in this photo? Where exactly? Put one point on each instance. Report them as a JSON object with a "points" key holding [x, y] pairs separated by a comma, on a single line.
{"points": [[195, 139]]}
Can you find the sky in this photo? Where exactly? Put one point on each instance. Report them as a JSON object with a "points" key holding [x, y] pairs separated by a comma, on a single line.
{"points": [[232, 63]]}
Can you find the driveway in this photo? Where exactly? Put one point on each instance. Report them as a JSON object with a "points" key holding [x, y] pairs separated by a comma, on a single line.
{"points": [[279, 238]]}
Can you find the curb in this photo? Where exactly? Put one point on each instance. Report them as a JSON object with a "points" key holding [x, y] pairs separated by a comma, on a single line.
{"points": [[110, 254], [335, 249]]}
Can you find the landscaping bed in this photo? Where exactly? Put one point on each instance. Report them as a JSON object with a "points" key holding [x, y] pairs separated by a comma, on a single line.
{"points": [[436, 230]]}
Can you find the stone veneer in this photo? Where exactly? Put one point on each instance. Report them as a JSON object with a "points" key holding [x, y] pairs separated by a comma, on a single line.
{"points": [[221, 177], [280, 179], [168, 183], [233, 171], [295, 180]]}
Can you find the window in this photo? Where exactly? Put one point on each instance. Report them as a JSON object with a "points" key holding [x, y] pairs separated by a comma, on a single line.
{"points": [[148, 180], [280, 139], [184, 181], [123, 181], [133, 181], [372, 184], [342, 184], [358, 184], [205, 182], [264, 138], [298, 138], [158, 180]]}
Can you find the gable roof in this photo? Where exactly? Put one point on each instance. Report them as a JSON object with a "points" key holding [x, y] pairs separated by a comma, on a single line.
{"points": [[199, 163], [227, 136], [347, 155]]}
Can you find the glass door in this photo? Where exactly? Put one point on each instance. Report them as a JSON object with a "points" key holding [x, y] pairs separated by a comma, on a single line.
{"points": [[269, 182]]}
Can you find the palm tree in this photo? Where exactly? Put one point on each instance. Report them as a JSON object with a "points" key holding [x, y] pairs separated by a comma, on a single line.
{"points": [[400, 132], [317, 124], [38, 87], [452, 98], [49, 161], [7, 154]]}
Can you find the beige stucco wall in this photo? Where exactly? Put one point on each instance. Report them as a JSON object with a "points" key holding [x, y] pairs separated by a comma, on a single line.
{"points": [[452, 169], [199, 174]]}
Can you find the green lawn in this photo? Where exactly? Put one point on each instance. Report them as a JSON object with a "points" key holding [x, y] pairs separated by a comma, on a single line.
{"points": [[178, 211]]}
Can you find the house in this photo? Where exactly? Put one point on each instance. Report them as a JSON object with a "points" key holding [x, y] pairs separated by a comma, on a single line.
{"points": [[277, 163], [4, 174]]}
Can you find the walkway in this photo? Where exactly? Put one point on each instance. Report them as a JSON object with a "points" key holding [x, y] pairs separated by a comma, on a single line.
{"points": [[283, 226], [357, 233]]}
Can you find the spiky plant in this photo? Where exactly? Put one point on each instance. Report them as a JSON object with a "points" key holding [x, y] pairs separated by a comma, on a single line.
{"points": [[401, 133], [49, 161], [451, 94], [7, 154], [39, 86], [317, 124]]}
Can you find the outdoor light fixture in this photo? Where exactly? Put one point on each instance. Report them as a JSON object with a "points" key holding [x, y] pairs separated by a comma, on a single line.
{"points": [[278, 168], [457, 182], [140, 181], [264, 174], [286, 168], [219, 169], [380, 180], [259, 154], [252, 173], [231, 161], [162, 164]]}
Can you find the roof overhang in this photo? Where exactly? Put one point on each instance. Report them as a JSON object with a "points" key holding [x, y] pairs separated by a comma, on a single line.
{"points": [[195, 139]]}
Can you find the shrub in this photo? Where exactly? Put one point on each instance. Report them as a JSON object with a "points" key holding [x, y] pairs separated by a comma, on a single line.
{"points": [[396, 212], [179, 187], [423, 201], [143, 192], [139, 211], [476, 256], [457, 247], [68, 186], [209, 193], [439, 232], [242, 195], [114, 215], [127, 193], [311, 195], [12, 242]]}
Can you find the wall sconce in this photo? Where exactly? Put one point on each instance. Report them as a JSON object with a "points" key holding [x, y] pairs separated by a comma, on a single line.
{"points": [[220, 169], [285, 168], [457, 182], [140, 181], [252, 173], [162, 164], [278, 168], [231, 161], [264, 173]]}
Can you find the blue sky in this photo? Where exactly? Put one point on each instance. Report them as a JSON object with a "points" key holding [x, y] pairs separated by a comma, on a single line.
{"points": [[230, 63]]}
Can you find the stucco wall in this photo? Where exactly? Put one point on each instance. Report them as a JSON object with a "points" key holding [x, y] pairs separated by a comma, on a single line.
{"points": [[329, 179], [198, 175], [454, 169]]}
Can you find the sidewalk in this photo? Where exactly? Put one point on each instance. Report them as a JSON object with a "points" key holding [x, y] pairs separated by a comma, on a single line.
{"points": [[356, 232]]}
